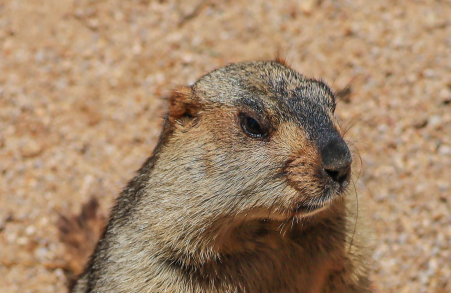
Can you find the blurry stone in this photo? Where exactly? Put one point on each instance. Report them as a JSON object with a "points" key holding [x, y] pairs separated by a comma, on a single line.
{"points": [[22, 241], [443, 186], [137, 48], [445, 93], [434, 121], [30, 230], [187, 58], [420, 122], [41, 253], [118, 16], [307, 6], [5, 218], [429, 73], [444, 150], [30, 148]]}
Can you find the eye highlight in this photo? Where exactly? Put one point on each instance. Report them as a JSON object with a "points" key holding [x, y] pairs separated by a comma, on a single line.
{"points": [[252, 127]]}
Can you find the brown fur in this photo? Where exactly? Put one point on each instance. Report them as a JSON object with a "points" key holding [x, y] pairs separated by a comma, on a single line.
{"points": [[80, 234], [281, 60], [182, 102], [218, 210]]}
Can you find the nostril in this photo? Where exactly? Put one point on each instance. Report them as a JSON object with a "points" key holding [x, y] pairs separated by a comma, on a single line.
{"points": [[336, 159], [340, 175], [333, 174]]}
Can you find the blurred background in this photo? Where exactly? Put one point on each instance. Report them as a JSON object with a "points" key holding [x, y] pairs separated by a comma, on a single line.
{"points": [[81, 83]]}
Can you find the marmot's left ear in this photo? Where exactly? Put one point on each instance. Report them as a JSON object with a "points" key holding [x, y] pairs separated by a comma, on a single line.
{"points": [[281, 60], [183, 103]]}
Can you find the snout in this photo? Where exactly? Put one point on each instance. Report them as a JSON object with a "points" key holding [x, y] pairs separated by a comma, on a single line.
{"points": [[320, 173], [336, 160]]}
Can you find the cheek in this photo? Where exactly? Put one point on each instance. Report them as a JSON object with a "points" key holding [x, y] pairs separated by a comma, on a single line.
{"points": [[304, 174], [221, 124], [229, 155], [302, 166]]}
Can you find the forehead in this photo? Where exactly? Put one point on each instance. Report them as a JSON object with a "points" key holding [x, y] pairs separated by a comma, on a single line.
{"points": [[265, 87]]}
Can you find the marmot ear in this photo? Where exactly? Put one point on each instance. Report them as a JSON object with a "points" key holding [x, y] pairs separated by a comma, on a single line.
{"points": [[183, 103], [281, 60]]}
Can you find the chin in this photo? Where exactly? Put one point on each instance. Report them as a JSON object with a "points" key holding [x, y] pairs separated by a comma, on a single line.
{"points": [[314, 205]]}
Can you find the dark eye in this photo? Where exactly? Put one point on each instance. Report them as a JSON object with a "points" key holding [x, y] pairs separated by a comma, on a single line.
{"points": [[251, 126]]}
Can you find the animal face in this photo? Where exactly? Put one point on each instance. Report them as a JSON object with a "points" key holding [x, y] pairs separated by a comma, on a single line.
{"points": [[272, 143]]}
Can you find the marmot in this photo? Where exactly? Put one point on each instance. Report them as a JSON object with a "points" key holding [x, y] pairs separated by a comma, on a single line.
{"points": [[245, 192]]}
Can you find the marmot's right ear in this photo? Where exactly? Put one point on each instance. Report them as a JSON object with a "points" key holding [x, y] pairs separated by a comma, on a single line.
{"points": [[183, 103]]}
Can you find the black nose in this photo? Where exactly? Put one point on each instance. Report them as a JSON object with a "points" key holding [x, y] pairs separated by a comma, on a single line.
{"points": [[337, 159]]}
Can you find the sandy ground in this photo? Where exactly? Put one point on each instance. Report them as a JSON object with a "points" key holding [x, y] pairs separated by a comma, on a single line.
{"points": [[80, 110]]}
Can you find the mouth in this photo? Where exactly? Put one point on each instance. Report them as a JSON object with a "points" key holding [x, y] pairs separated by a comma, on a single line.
{"points": [[308, 208], [303, 206], [303, 209]]}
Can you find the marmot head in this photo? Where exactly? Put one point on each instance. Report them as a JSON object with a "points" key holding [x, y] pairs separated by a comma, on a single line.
{"points": [[254, 141]]}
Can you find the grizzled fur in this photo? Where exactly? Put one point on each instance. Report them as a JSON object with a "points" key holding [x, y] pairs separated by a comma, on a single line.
{"points": [[215, 210]]}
